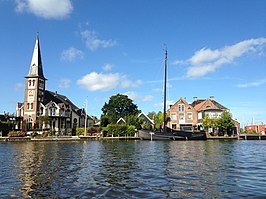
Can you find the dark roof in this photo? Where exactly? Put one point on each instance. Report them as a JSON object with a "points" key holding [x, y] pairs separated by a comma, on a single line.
{"points": [[196, 102], [36, 63], [57, 98], [218, 105]]}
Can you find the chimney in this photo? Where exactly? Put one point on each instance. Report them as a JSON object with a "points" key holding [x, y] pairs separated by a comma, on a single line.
{"points": [[195, 99], [212, 98]]}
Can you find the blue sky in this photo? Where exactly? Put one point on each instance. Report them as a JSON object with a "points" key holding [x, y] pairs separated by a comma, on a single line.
{"points": [[97, 49]]}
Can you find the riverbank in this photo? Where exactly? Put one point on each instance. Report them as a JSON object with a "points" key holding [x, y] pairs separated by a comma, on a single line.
{"points": [[93, 138], [63, 138]]}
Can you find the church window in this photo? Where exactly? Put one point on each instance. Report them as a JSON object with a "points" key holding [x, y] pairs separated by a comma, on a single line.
{"points": [[33, 82], [28, 106], [31, 106], [29, 82]]}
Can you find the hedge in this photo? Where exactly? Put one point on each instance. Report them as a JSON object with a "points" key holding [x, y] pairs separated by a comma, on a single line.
{"points": [[118, 130]]}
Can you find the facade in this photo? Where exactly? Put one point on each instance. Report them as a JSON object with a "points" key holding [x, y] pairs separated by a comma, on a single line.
{"points": [[182, 115], [185, 116], [256, 128], [38, 102]]}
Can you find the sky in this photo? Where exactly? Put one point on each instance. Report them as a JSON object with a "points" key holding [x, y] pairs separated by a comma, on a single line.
{"points": [[93, 49]]}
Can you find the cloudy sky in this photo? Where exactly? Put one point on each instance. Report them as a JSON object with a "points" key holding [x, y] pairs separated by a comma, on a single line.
{"points": [[96, 48]]}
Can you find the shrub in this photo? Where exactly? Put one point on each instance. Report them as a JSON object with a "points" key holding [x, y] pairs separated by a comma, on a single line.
{"points": [[120, 130], [16, 134], [79, 131], [117, 130], [131, 130]]}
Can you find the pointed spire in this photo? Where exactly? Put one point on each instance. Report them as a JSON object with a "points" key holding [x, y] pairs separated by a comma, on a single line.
{"points": [[36, 61]]}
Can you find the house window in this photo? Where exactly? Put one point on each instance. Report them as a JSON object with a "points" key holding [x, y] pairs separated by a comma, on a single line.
{"points": [[173, 116], [41, 110], [181, 116], [52, 111], [181, 107], [190, 116], [173, 126]]}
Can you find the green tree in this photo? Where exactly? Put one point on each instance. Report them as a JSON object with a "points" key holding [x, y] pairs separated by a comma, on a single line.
{"points": [[225, 122], [158, 120], [104, 121], [152, 115], [43, 120], [119, 106]]}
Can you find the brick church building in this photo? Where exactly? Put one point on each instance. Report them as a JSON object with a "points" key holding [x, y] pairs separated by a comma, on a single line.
{"points": [[38, 101]]}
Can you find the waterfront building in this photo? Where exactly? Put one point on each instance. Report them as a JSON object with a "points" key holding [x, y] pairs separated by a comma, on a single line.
{"points": [[189, 116], [260, 128], [38, 101]]}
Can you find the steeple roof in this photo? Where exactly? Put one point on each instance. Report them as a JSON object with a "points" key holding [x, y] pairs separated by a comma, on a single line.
{"points": [[36, 61]]}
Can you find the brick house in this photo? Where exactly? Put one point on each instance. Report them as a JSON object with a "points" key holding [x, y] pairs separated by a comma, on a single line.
{"points": [[189, 116], [182, 115]]}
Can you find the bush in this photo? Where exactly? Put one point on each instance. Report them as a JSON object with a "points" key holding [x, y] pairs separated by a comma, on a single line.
{"points": [[117, 130], [131, 130], [16, 134], [5, 127], [79, 131], [94, 130]]}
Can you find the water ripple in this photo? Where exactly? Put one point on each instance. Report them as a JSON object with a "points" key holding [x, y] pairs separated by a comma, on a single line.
{"points": [[133, 169]]}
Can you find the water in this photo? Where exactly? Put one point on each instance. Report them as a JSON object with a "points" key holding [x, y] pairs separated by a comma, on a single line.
{"points": [[133, 169]]}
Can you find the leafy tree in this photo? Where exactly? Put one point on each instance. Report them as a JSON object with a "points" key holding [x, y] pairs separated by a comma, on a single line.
{"points": [[225, 122], [43, 120], [158, 120], [104, 121], [119, 106], [152, 115]]}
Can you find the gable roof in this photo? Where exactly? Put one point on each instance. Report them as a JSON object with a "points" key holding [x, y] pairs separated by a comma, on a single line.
{"points": [[209, 104], [121, 120], [57, 98], [146, 117]]}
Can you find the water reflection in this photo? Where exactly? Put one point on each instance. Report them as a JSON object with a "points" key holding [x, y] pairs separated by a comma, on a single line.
{"points": [[133, 169]]}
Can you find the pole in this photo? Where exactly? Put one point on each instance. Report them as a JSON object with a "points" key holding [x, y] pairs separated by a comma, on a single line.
{"points": [[164, 94], [86, 104]]}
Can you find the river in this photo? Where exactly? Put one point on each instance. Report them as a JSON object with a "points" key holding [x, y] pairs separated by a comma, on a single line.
{"points": [[133, 169]]}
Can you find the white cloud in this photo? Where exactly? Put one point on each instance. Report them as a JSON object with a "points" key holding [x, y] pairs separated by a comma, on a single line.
{"points": [[134, 96], [147, 98], [71, 54], [207, 60], [64, 83], [107, 67], [252, 84], [160, 105], [49, 9], [19, 87], [100, 81], [93, 42]]}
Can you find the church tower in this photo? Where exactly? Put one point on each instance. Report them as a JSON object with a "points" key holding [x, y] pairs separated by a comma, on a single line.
{"points": [[35, 87]]}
